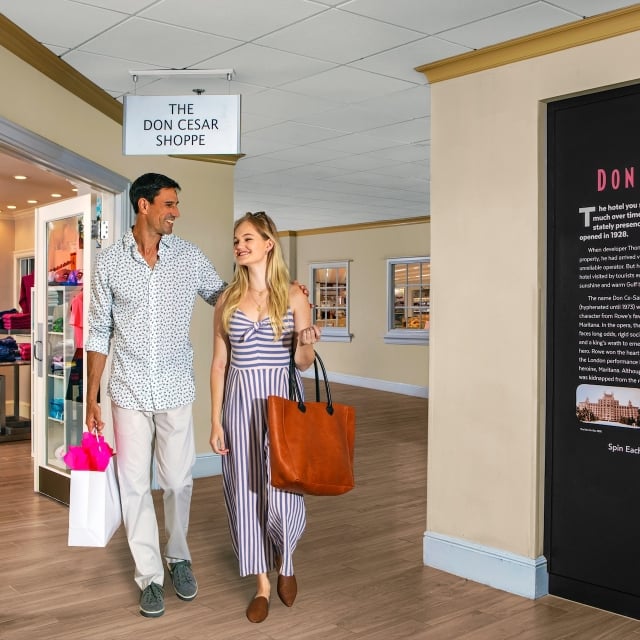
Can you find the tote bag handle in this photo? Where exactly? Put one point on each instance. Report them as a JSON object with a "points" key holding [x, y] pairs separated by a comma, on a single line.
{"points": [[294, 388]]}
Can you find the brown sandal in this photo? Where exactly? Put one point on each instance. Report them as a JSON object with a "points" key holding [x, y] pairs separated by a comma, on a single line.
{"points": [[258, 609]]}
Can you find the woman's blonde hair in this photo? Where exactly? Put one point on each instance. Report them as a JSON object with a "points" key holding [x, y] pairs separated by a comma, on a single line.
{"points": [[277, 276]]}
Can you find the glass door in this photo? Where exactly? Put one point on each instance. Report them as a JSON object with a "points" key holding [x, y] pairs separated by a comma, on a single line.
{"points": [[62, 269]]}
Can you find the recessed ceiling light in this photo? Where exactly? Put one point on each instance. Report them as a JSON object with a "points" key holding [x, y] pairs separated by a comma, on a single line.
{"points": [[11, 206], [56, 195], [75, 189], [20, 177], [32, 202]]}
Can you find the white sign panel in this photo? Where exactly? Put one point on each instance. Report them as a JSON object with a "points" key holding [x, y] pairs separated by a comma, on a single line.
{"points": [[181, 125]]}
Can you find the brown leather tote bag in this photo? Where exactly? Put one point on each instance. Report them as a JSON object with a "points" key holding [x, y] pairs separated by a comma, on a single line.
{"points": [[311, 443]]}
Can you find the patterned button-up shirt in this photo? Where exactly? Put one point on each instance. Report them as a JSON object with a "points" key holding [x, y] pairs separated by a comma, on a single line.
{"points": [[145, 315]]}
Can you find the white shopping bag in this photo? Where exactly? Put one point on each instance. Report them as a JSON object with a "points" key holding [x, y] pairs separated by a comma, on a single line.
{"points": [[95, 513]]}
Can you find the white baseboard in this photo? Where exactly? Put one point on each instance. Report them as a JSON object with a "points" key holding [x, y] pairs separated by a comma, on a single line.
{"points": [[509, 572], [373, 383]]}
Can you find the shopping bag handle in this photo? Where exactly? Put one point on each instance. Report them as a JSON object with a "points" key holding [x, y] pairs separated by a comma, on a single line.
{"points": [[294, 388]]}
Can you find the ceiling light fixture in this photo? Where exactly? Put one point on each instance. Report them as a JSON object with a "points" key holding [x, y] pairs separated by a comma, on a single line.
{"points": [[19, 177], [56, 195], [32, 202]]}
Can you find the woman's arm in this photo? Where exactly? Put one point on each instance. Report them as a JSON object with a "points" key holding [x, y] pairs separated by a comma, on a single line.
{"points": [[218, 371], [305, 334]]}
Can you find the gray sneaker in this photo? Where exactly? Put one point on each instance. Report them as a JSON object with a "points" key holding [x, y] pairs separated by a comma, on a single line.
{"points": [[184, 581], [152, 601]]}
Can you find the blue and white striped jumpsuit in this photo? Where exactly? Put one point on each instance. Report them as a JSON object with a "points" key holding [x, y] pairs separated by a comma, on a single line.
{"points": [[264, 521]]}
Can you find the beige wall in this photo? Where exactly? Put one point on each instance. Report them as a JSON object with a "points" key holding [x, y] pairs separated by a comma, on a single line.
{"points": [[367, 356], [38, 104], [24, 239], [486, 409], [6, 264]]}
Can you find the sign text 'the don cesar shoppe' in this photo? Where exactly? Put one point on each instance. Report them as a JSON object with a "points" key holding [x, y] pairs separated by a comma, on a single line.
{"points": [[181, 125]]}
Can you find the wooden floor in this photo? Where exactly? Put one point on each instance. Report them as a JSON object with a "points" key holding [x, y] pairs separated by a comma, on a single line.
{"points": [[359, 564]]}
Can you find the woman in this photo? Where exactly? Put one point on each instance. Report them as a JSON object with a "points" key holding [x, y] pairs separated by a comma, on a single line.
{"points": [[259, 320]]}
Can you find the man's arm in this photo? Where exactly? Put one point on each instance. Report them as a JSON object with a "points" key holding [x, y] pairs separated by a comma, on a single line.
{"points": [[211, 284], [97, 342], [95, 367]]}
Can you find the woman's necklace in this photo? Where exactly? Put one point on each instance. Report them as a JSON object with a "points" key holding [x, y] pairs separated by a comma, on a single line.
{"points": [[259, 303]]}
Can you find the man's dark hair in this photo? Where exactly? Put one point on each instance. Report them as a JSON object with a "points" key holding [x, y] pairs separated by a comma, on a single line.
{"points": [[148, 186]]}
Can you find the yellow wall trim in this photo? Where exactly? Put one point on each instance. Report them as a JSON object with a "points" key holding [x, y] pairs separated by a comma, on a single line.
{"points": [[574, 34], [216, 159], [29, 50], [362, 226]]}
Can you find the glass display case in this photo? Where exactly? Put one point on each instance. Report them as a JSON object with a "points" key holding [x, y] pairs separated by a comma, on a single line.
{"points": [[64, 371]]}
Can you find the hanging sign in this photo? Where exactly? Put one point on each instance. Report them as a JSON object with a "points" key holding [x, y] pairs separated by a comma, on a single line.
{"points": [[181, 125]]}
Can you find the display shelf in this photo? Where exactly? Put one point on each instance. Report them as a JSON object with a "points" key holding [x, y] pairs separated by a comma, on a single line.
{"points": [[411, 307], [331, 304], [63, 375]]}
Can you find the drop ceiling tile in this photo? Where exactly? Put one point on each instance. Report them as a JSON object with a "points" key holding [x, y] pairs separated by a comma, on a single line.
{"points": [[402, 61], [248, 166], [405, 152], [349, 119], [125, 6], [513, 24], [311, 172], [308, 155], [589, 8], [148, 42], [355, 143], [430, 16], [418, 170], [407, 132], [293, 134], [330, 36], [60, 23], [402, 105], [288, 105], [346, 84], [254, 122], [359, 162], [240, 19], [252, 146], [264, 66]]}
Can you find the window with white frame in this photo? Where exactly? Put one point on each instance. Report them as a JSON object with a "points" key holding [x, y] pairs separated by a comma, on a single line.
{"points": [[330, 295], [409, 295]]}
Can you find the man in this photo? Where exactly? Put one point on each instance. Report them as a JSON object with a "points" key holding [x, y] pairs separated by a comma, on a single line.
{"points": [[142, 295]]}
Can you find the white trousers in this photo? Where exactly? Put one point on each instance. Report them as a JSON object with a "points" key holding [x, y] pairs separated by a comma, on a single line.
{"points": [[168, 435]]}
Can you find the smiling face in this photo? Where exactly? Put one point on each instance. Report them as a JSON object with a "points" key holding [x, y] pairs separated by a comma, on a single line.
{"points": [[160, 214], [249, 246]]}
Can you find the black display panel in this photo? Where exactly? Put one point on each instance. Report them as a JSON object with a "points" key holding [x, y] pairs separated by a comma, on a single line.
{"points": [[592, 497]]}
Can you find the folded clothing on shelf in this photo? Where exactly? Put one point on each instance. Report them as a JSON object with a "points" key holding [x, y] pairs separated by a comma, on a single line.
{"points": [[12, 321], [8, 349], [25, 350], [57, 364], [56, 408]]}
